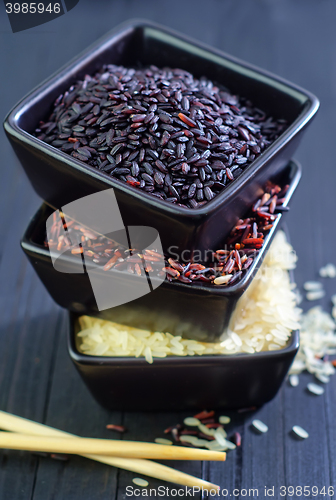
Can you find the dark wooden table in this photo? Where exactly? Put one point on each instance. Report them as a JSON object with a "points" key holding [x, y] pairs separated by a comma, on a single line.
{"points": [[295, 39]]}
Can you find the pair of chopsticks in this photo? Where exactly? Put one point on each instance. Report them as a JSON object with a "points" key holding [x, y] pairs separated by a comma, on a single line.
{"points": [[129, 455]]}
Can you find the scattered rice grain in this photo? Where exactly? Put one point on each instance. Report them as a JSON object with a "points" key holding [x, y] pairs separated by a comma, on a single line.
{"points": [[200, 443], [220, 438], [206, 430], [315, 295], [140, 482], [328, 271], [192, 422], [230, 445], [312, 285], [322, 378], [223, 419], [315, 389], [215, 446], [260, 426], [300, 432], [163, 441], [294, 380], [188, 439]]}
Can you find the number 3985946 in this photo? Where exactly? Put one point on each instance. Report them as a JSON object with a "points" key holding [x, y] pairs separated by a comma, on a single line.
{"points": [[32, 8]]}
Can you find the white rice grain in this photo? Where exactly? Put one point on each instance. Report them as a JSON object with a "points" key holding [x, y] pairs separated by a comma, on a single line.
{"points": [[315, 389], [312, 285], [260, 426], [191, 422], [221, 431], [222, 280], [322, 378], [215, 446], [230, 445], [148, 355], [236, 339], [294, 380], [223, 419], [300, 432], [200, 443], [163, 441], [328, 271], [220, 439], [140, 482], [188, 439], [315, 295], [208, 432]]}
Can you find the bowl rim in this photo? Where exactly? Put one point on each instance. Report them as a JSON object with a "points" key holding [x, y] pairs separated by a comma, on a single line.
{"points": [[237, 288], [214, 359], [309, 101]]}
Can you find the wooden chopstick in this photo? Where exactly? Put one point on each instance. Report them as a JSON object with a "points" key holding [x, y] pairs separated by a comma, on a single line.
{"points": [[14, 423], [125, 449]]}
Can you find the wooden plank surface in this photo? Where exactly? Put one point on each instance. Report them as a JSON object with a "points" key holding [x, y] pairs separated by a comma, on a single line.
{"points": [[296, 40]]}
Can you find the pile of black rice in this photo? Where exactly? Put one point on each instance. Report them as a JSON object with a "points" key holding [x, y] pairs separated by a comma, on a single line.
{"points": [[179, 138]]}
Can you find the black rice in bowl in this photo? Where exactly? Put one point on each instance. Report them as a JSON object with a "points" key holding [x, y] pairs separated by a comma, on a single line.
{"points": [[180, 138]]}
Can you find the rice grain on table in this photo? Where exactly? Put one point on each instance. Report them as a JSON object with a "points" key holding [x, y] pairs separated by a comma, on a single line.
{"points": [[191, 422], [188, 439], [317, 342], [315, 295], [312, 285], [223, 419], [328, 271], [140, 482], [259, 426], [264, 319], [300, 432], [294, 380], [163, 441], [322, 378], [315, 389]]}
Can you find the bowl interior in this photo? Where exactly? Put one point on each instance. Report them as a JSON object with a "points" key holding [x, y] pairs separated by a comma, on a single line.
{"points": [[73, 346]]}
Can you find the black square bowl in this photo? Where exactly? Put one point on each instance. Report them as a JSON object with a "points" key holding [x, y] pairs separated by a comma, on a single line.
{"points": [[182, 383], [59, 178], [191, 310]]}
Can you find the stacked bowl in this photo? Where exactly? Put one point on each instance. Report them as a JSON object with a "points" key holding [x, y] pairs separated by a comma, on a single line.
{"points": [[224, 164]]}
